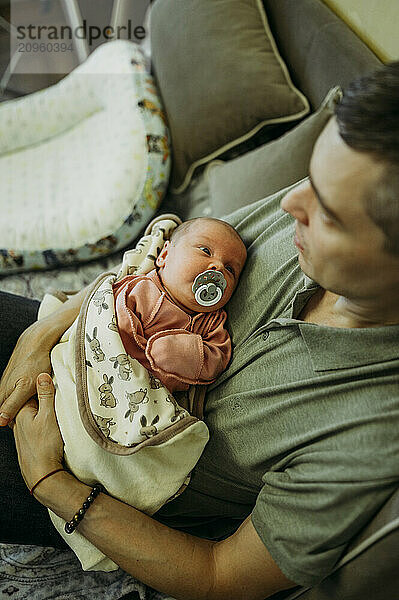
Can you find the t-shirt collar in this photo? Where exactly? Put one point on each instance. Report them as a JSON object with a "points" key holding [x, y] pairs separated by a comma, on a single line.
{"points": [[333, 348]]}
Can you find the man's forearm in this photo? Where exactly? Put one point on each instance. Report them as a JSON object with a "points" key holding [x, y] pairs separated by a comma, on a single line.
{"points": [[173, 562], [168, 560]]}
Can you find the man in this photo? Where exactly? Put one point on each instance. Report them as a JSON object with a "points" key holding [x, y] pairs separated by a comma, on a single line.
{"points": [[303, 448]]}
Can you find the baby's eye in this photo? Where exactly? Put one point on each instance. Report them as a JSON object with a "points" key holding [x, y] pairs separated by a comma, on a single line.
{"points": [[206, 250], [229, 268]]}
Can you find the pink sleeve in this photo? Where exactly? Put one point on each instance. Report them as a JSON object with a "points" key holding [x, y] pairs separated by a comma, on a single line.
{"points": [[187, 357], [133, 298]]}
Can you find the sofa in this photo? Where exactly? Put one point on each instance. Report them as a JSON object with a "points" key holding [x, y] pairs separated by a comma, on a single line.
{"points": [[321, 53]]}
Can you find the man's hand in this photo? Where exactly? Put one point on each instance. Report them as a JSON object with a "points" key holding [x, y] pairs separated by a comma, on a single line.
{"points": [[37, 436], [31, 357]]}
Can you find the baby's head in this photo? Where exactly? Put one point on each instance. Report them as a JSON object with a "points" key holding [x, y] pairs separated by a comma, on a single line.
{"points": [[201, 263]]}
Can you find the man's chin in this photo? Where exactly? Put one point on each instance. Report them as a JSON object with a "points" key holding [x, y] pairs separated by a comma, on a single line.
{"points": [[304, 265], [307, 270]]}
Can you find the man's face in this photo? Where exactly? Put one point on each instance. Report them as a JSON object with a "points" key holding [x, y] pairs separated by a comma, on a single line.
{"points": [[339, 245], [206, 245]]}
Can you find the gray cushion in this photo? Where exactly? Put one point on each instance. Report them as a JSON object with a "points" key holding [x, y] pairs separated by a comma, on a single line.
{"points": [[320, 49], [269, 168], [221, 87]]}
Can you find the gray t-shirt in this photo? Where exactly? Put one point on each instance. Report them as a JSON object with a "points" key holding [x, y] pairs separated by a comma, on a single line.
{"points": [[304, 424]]}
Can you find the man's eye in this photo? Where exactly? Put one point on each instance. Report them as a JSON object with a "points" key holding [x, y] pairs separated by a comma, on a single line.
{"points": [[206, 250]]}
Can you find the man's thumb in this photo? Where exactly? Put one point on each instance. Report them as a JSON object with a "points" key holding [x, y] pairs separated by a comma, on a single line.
{"points": [[45, 387]]}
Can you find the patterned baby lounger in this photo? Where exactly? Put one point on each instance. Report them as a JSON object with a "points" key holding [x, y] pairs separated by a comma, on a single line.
{"points": [[120, 425]]}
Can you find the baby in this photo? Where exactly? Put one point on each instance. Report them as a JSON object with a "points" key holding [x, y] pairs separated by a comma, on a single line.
{"points": [[172, 320], [118, 364]]}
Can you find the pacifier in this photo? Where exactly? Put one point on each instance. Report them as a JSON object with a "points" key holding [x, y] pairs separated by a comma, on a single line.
{"points": [[208, 287]]}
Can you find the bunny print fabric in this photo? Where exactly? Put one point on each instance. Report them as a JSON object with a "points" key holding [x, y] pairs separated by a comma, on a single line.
{"points": [[118, 421]]}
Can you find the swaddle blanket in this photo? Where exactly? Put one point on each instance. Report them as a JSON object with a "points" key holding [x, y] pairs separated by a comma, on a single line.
{"points": [[120, 425]]}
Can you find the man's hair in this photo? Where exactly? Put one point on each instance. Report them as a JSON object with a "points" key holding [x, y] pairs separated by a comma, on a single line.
{"points": [[368, 121], [184, 228]]}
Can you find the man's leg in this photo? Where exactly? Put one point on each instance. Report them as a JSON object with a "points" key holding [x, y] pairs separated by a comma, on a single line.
{"points": [[16, 314], [23, 520]]}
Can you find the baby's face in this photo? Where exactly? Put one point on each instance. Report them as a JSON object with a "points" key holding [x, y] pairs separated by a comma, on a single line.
{"points": [[206, 245]]}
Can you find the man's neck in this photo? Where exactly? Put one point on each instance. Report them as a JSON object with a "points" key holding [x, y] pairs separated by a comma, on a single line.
{"points": [[371, 314], [327, 308]]}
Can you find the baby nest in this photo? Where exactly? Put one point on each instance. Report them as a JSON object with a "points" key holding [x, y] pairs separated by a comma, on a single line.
{"points": [[84, 164]]}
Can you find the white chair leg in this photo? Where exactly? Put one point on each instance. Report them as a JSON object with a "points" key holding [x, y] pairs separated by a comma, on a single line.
{"points": [[13, 60], [116, 13], [8, 72], [72, 11]]}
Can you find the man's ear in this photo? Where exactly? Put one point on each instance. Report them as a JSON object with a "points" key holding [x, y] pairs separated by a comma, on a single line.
{"points": [[160, 262]]}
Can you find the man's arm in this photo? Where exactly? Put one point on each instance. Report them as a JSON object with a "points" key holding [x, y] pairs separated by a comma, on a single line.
{"points": [[186, 567], [173, 562]]}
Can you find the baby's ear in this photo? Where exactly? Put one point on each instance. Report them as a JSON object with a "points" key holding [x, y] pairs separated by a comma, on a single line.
{"points": [[160, 262]]}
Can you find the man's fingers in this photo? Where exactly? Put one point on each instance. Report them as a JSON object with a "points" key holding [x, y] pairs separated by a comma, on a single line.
{"points": [[23, 389], [4, 419], [28, 410], [45, 385], [45, 391]]}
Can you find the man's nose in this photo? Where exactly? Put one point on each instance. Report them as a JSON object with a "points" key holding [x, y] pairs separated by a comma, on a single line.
{"points": [[296, 202]]}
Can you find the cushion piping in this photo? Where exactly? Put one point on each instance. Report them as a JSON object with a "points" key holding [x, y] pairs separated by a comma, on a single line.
{"points": [[285, 119]]}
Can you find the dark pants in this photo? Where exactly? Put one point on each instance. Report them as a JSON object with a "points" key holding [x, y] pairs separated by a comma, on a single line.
{"points": [[23, 520]]}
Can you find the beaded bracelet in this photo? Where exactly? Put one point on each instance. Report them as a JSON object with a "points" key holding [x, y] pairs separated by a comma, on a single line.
{"points": [[71, 525]]}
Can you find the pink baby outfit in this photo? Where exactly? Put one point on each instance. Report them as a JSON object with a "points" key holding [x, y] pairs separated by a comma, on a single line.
{"points": [[178, 348]]}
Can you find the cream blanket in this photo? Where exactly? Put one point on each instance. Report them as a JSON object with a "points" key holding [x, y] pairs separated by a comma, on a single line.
{"points": [[120, 426]]}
